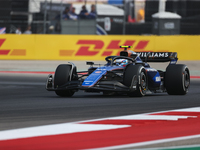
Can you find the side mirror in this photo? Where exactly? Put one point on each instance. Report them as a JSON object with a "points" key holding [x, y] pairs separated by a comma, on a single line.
{"points": [[89, 63]]}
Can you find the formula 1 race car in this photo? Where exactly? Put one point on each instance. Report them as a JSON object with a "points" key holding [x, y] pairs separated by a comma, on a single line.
{"points": [[128, 73]]}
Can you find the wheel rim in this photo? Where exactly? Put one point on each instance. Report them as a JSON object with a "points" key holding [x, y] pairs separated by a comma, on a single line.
{"points": [[143, 81], [187, 80]]}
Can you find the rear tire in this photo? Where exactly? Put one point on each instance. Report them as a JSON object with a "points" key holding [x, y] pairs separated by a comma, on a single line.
{"points": [[62, 76], [137, 74], [177, 79]]}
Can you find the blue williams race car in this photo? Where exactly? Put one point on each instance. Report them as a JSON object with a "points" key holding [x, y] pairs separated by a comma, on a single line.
{"points": [[128, 74]]}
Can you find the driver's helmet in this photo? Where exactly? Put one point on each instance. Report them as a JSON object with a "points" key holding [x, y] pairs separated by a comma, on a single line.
{"points": [[121, 62]]}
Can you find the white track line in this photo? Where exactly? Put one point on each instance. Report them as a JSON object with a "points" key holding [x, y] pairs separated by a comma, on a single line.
{"points": [[46, 130], [197, 109], [147, 143], [150, 117]]}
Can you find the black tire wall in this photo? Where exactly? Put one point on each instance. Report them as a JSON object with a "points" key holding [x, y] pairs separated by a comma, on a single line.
{"points": [[62, 76], [175, 79]]}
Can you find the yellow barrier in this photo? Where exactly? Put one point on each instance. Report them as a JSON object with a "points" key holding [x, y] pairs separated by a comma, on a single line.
{"points": [[92, 47]]}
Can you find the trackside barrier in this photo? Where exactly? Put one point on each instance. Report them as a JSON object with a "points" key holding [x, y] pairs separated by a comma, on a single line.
{"points": [[92, 47]]}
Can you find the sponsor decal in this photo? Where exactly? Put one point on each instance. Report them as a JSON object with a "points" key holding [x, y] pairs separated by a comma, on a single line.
{"points": [[84, 47], [158, 79], [94, 47], [153, 54], [98, 72], [11, 52], [151, 69]]}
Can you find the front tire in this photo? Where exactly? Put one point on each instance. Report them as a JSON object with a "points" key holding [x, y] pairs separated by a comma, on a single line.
{"points": [[177, 79], [62, 76], [135, 77]]}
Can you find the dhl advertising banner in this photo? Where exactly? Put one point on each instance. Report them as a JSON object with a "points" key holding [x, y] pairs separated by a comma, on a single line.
{"points": [[92, 47]]}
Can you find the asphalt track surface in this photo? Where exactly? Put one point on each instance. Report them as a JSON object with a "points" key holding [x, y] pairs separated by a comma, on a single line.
{"points": [[24, 102]]}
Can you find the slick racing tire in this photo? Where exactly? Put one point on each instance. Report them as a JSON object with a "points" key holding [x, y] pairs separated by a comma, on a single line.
{"points": [[177, 79], [62, 76], [135, 77]]}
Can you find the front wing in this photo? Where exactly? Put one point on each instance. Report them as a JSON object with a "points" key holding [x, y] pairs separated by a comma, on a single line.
{"points": [[99, 86]]}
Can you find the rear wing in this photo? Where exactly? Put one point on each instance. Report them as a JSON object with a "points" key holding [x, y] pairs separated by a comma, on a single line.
{"points": [[157, 56]]}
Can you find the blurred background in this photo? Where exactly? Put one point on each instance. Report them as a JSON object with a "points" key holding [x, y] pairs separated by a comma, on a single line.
{"points": [[38, 35], [112, 17]]}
